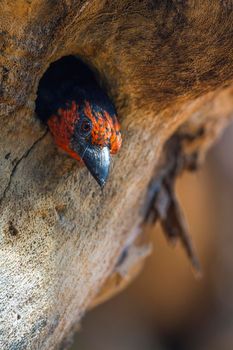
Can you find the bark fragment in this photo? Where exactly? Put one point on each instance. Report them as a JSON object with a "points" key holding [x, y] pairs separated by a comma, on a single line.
{"points": [[163, 205]]}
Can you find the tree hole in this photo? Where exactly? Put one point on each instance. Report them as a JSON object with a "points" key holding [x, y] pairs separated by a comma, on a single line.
{"points": [[64, 80]]}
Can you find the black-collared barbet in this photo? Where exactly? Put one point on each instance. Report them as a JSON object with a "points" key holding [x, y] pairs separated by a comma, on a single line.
{"points": [[80, 115]]}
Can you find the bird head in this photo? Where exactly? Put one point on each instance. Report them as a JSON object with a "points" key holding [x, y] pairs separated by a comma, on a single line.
{"points": [[89, 133]]}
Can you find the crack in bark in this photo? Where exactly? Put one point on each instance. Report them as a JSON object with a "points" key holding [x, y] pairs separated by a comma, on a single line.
{"points": [[25, 155]]}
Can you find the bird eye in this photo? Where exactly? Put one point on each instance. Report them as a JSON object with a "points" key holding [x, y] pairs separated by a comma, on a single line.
{"points": [[85, 127]]}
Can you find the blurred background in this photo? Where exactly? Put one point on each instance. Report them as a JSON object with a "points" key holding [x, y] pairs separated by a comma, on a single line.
{"points": [[166, 307]]}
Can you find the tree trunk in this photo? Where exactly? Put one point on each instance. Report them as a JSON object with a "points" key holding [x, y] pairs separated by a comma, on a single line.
{"points": [[168, 66]]}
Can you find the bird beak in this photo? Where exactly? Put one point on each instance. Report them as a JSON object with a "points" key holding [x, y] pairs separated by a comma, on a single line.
{"points": [[97, 161]]}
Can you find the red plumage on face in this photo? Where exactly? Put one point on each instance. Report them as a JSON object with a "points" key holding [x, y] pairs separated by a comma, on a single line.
{"points": [[62, 127], [105, 129]]}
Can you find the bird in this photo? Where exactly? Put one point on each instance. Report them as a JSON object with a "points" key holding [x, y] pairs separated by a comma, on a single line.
{"points": [[80, 115]]}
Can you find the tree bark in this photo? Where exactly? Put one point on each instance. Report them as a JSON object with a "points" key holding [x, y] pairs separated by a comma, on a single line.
{"points": [[168, 66]]}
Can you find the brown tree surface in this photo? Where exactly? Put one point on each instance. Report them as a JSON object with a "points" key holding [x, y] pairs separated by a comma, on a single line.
{"points": [[168, 66]]}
